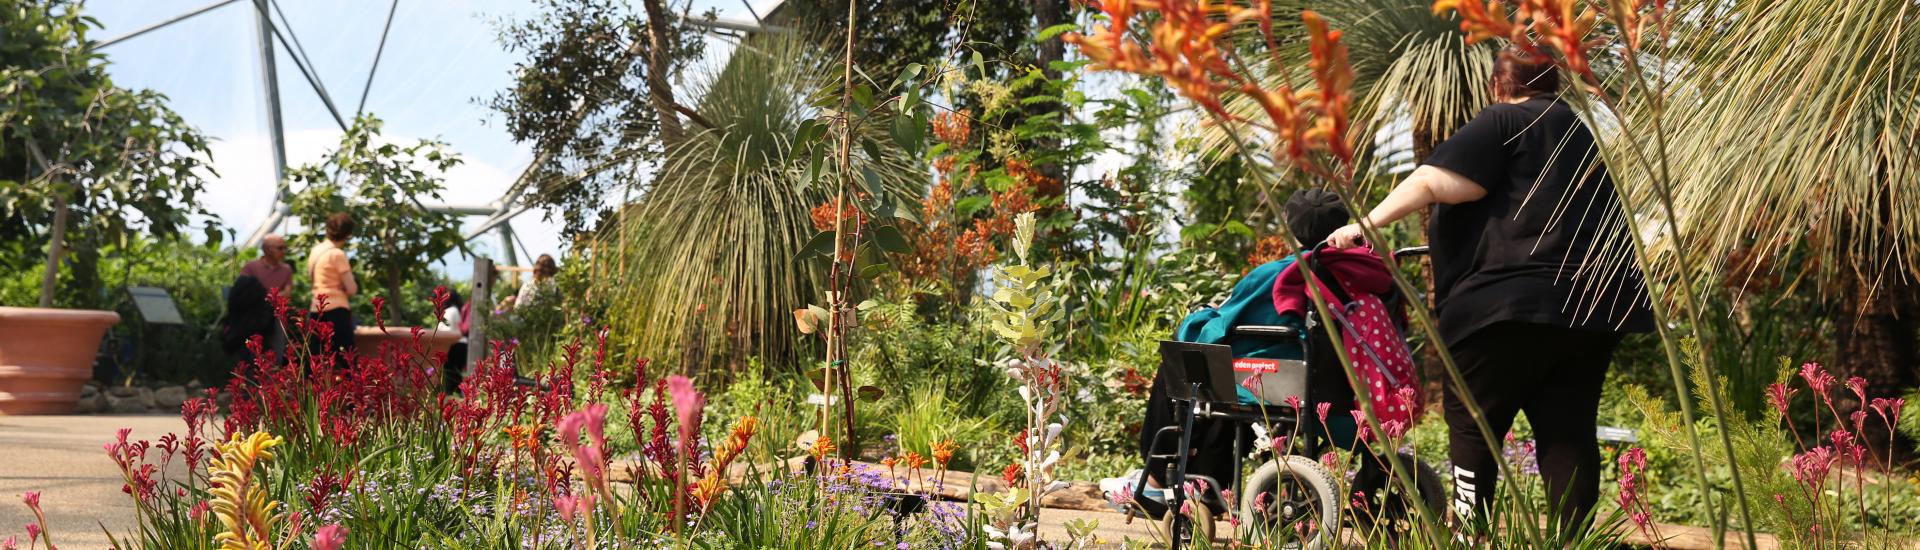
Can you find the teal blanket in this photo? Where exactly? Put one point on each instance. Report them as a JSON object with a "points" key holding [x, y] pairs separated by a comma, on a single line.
{"points": [[1250, 303]]}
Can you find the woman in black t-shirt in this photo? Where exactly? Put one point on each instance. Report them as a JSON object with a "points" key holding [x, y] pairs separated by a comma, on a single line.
{"points": [[1530, 280]]}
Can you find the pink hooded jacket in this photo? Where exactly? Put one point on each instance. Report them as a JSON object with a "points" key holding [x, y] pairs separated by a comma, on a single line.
{"points": [[1368, 333]]}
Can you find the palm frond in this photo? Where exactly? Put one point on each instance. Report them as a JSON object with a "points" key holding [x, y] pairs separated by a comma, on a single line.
{"points": [[1790, 128], [705, 259]]}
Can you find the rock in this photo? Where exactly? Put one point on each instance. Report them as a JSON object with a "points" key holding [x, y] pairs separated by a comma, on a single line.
{"points": [[90, 390], [128, 405], [169, 398], [1077, 495], [195, 387], [145, 396], [123, 391], [91, 404]]}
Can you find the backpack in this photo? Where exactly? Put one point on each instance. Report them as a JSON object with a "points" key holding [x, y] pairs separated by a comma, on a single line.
{"points": [[1373, 343]]}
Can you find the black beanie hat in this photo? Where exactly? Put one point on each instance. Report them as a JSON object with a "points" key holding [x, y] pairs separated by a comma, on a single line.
{"points": [[1313, 214]]}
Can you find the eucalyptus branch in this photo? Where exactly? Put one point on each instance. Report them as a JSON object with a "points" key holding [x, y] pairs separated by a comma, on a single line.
{"points": [[836, 291]]}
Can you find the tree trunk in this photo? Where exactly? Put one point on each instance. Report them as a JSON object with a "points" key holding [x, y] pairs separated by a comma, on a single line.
{"points": [[57, 244], [659, 59], [1046, 13], [1875, 332], [394, 280], [55, 248]]}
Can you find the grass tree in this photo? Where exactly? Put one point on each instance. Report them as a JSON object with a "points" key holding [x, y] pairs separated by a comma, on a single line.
{"points": [[1790, 145], [708, 254]]}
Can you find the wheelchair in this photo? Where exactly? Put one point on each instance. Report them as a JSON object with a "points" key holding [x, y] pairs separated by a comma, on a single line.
{"points": [[1291, 497]]}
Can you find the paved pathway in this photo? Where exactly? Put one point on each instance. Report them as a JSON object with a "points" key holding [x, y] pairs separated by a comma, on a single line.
{"points": [[61, 457]]}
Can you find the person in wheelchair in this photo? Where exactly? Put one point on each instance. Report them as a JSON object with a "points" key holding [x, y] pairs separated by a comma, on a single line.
{"points": [[1275, 295]]}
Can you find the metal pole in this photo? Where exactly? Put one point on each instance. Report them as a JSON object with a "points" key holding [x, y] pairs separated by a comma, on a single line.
{"points": [[479, 307], [381, 49], [275, 131], [157, 26], [506, 245]]}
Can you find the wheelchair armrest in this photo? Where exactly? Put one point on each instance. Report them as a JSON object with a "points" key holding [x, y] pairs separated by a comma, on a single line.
{"points": [[1266, 331]]}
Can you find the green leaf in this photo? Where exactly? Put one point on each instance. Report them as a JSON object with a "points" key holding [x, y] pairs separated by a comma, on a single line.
{"points": [[803, 137], [875, 186], [871, 147], [1068, 67], [1197, 231], [1234, 227], [891, 240], [869, 393], [966, 207], [907, 135], [820, 245], [904, 212], [812, 175], [1050, 32], [863, 96]]}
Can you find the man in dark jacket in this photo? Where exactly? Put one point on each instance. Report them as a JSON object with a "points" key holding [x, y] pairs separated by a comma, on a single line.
{"points": [[248, 315]]}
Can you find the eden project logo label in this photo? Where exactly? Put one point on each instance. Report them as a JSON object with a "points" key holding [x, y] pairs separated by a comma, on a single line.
{"points": [[1254, 365]]}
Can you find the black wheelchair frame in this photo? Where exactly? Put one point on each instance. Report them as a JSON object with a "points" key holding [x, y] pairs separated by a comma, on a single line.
{"points": [[1201, 386]]}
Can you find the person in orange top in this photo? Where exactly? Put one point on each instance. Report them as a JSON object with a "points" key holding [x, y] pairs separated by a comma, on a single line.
{"points": [[333, 281]]}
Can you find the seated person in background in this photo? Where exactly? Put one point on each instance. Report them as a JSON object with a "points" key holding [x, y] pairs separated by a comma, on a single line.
{"points": [[1311, 215], [544, 269]]}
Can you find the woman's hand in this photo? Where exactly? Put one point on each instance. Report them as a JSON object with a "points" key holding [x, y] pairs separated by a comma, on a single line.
{"points": [[1349, 236]]}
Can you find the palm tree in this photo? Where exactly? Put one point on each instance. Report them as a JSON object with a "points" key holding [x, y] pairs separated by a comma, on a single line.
{"points": [[1790, 138], [706, 257]]}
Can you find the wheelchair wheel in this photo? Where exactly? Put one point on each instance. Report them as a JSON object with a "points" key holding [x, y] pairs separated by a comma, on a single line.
{"points": [[1398, 512], [1199, 527], [1291, 501]]}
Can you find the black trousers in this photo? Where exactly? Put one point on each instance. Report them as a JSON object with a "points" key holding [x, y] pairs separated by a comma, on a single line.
{"points": [[342, 342], [1213, 449], [453, 371], [1552, 373]]}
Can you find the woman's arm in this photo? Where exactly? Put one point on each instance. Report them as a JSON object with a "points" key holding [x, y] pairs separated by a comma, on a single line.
{"points": [[1427, 185], [347, 281]]}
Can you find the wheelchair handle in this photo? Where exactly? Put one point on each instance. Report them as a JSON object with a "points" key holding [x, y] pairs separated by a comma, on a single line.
{"points": [[1266, 331]]}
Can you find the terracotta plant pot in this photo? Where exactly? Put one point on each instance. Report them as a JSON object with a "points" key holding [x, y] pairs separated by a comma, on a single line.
{"points": [[369, 339], [46, 356]]}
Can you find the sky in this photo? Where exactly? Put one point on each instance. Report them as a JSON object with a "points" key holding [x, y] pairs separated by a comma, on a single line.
{"points": [[441, 63]]}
